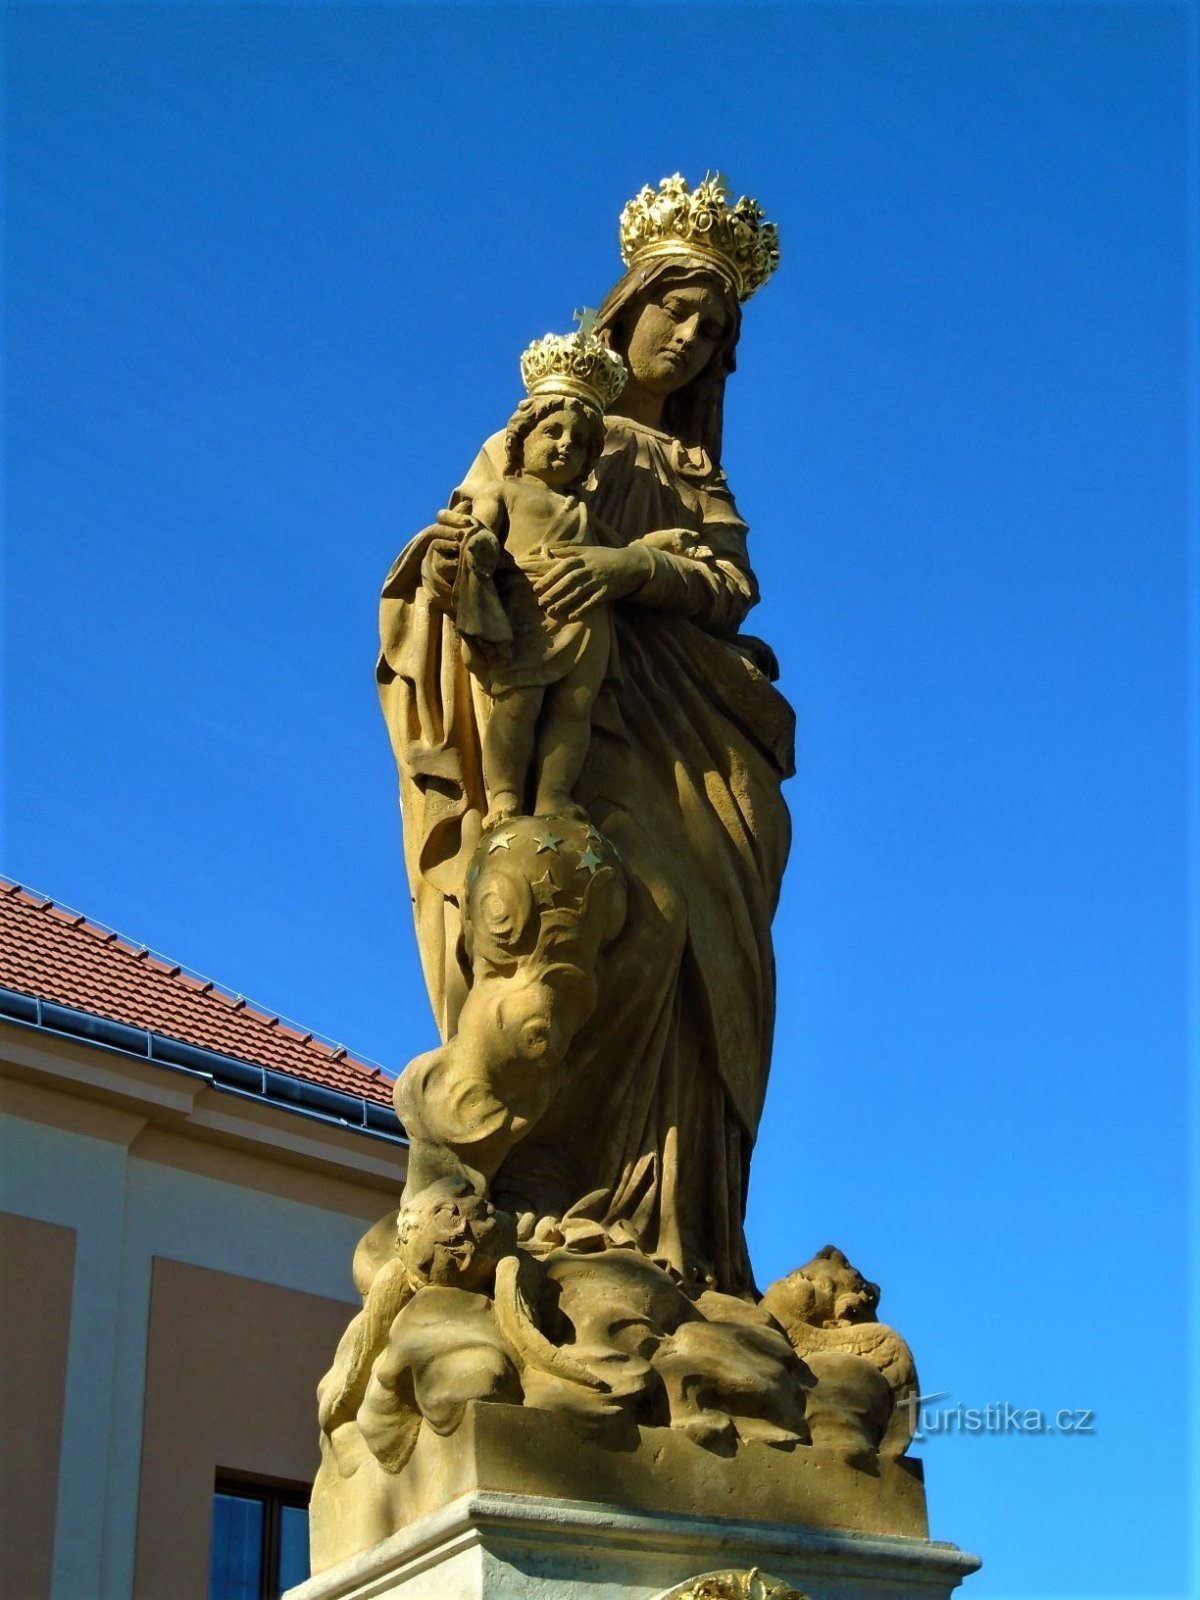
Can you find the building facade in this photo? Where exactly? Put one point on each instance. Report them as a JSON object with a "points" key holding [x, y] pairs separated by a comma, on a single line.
{"points": [[183, 1182]]}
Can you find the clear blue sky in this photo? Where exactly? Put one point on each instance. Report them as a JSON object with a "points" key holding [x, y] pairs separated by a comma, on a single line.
{"points": [[268, 272]]}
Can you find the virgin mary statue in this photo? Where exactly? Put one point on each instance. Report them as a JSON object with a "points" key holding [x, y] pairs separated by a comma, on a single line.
{"points": [[652, 1132]]}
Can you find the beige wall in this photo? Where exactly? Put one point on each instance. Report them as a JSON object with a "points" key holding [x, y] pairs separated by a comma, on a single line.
{"points": [[232, 1370], [130, 1171], [37, 1263]]}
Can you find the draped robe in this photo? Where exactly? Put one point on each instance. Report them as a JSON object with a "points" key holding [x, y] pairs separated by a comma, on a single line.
{"points": [[651, 1134]]}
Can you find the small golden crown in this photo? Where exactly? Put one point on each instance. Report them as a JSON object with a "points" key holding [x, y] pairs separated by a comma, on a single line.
{"points": [[574, 364], [677, 221]]}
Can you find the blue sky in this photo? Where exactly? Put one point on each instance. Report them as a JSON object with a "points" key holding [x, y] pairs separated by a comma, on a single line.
{"points": [[268, 271]]}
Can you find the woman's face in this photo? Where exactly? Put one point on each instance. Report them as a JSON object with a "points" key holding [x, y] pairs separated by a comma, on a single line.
{"points": [[674, 335]]}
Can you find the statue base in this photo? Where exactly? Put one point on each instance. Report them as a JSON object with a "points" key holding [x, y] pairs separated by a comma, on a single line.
{"points": [[515, 1505], [493, 1546]]}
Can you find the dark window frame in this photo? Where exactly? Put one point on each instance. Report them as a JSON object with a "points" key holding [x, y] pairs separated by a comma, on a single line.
{"points": [[273, 1494]]}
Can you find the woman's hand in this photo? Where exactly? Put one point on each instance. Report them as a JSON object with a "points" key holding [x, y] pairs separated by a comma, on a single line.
{"points": [[440, 565], [576, 578]]}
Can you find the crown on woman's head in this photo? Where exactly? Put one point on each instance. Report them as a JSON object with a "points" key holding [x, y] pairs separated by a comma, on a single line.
{"points": [[575, 364], [734, 238]]}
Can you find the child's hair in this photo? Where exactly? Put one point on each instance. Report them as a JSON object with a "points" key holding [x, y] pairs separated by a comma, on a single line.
{"points": [[532, 411]]}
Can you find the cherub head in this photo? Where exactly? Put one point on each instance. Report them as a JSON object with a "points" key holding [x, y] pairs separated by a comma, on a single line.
{"points": [[554, 438], [826, 1292], [842, 1294], [451, 1235]]}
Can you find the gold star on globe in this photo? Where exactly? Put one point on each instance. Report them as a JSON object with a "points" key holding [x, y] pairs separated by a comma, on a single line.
{"points": [[547, 841], [499, 841], [545, 888], [590, 861]]}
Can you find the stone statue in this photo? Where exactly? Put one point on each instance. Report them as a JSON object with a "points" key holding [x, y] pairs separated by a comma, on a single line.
{"points": [[542, 900], [866, 1393], [543, 687], [590, 755], [688, 745]]}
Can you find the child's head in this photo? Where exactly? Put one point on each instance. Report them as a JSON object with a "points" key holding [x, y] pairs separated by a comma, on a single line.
{"points": [[452, 1235], [555, 438]]}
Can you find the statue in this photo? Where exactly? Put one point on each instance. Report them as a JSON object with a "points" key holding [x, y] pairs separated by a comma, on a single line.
{"points": [[865, 1395], [590, 755], [542, 900], [689, 742], [540, 666]]}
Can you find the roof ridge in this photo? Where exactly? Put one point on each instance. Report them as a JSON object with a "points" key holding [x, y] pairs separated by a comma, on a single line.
{"points": [[196, 980]]}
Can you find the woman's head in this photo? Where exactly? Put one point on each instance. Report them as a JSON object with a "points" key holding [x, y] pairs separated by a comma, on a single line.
{"points": [[555, 437], [676, 324]]}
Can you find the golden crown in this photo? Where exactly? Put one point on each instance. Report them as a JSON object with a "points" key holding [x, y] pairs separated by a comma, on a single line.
{"points": [[735, 238], [575, 364]]}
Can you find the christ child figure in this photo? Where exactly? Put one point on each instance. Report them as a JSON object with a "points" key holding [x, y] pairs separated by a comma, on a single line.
{"points": [[545, 679]]}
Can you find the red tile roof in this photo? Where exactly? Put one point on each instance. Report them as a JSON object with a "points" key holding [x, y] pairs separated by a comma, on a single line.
{"points": [[58, 955]]}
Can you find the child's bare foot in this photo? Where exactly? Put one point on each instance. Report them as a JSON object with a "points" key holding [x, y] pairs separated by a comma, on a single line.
{"points": [[504, 807], [560, 804]]}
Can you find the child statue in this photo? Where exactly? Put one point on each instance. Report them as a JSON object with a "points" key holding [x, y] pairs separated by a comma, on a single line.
{"points": [[542, 671]]}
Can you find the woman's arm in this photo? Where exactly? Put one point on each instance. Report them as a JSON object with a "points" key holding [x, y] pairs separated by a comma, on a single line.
{"points": [[712, 590], [574, 578], [439, 567]]}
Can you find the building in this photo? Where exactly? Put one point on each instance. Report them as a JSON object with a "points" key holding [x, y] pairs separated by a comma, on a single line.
{"points": [[184, 1179]]}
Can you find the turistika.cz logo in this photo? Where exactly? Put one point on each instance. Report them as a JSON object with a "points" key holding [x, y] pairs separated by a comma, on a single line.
{"points": [[999, 1416]]}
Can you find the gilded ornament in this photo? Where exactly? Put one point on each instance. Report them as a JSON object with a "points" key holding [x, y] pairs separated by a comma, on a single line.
{"points": [[675, 220], [732, 1585], [577, 365]]}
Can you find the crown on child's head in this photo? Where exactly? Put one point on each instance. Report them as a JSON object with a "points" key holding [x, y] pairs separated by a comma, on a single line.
{"points": [[576, 365], [734, 237]]}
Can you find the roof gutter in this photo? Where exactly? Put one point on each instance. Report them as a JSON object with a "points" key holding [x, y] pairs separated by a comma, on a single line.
{"points": [[225, 1073]]}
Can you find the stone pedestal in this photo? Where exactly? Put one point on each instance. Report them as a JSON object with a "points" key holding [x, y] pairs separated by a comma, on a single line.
{"points": [[522, 1451], [487, 1545]]}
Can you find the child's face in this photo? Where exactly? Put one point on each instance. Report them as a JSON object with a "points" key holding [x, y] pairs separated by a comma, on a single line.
{"points": [[556, 448]]}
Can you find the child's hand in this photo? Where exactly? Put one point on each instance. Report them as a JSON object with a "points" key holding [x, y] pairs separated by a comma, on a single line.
{"points": [[677, 542], [483, 551]]}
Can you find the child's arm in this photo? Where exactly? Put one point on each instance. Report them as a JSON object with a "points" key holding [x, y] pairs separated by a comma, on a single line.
{"points": [[478, 613], [490, 510]]}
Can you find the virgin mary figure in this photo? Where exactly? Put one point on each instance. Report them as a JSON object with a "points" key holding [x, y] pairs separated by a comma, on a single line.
{"points": [[651, 1135]]}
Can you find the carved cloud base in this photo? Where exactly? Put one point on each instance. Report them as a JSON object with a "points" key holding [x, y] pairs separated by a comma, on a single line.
{"points": [[492, 1546], [515, 1505], [521, 1450]]}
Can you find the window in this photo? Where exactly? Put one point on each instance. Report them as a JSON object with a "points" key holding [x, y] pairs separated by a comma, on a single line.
{"points": [[259, 1539]]}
